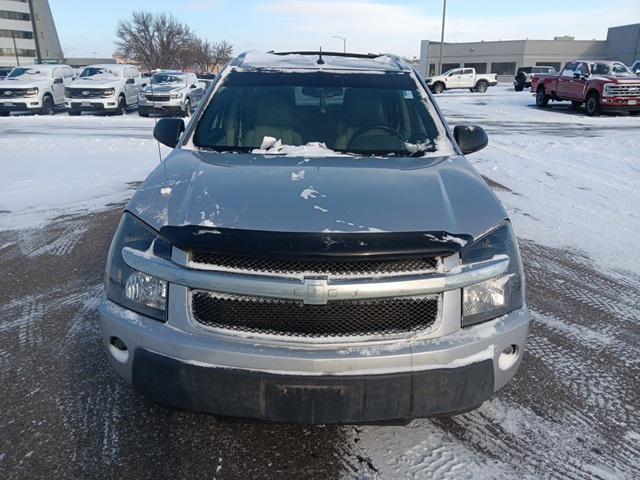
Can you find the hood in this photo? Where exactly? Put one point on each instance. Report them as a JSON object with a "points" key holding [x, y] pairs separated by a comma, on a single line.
{"points": [[98, 81], [24, 82], [320, 195], [160, 89]]}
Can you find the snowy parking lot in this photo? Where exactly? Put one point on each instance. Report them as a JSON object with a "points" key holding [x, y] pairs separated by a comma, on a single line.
{"points": [[572, 186]]}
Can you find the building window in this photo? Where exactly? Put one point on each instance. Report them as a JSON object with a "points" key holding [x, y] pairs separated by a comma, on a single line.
{"points": [[503, 68], [22, 52], [480, 67], [556, 65], [449, 66], [17, 33], [432, 69], [14, 15]]}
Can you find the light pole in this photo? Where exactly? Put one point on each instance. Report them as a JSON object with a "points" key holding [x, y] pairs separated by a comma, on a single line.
{"points": [[15, 47], [444, 13], [344, 42]]}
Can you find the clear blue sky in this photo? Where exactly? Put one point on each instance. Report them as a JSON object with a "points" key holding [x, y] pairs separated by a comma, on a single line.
{"points": [[87, 28]]}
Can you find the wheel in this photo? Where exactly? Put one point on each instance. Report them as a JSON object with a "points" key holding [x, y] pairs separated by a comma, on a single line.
{"points": [[592, 105], [73, 112], [576, 103], [482, 86], [187, 108], [122, 106], [542, 99], [519, 88], [48, 107], [438, 87]]}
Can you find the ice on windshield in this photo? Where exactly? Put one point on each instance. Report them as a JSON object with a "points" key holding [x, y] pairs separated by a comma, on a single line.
{"points": [[159, 78], [358, 114], [28, 73], [97, 72]]}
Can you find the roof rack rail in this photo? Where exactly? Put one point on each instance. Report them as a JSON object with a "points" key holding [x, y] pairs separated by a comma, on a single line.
{"points": [[331, 54]]}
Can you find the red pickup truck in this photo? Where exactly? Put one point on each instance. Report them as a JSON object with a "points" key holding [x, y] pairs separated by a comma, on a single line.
{"points": [[600, 85]]}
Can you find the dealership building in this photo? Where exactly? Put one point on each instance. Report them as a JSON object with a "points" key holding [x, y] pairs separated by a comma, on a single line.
{"points": [[505, 57], [28, 33]]}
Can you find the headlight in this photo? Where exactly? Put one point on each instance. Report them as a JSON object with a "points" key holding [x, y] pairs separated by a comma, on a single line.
{"points": [[141, 97], [109, 92], [135, 290], [497, 296], [31, 92], [67, 92], [606, 92], [176, 96]]}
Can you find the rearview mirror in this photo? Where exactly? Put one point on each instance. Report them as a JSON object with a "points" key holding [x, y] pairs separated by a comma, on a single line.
{"points": [[57, 81], [168, 130], [470, 138]]}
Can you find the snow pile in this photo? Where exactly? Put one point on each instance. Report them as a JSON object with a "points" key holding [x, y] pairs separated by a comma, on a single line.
{"points": [[53, 166]]}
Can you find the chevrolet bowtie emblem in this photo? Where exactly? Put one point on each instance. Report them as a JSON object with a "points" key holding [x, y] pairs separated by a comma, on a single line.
{"points": [[313, 291]]}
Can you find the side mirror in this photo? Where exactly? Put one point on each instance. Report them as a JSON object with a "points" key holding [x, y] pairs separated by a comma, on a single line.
{"points": [[193, 85], [57, 81], [168, 130], [130, 81], [143, 85], [470, 138]]}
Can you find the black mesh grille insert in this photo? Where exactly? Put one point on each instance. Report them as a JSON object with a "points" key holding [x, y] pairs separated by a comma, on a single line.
{"points": [[339, 266], [336, 319]]}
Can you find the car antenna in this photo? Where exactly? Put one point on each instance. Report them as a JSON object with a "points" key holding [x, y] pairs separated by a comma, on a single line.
{"points": [[320, 60]]}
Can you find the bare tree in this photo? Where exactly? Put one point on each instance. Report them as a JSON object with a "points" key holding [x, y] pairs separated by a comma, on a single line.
{"points": [[154, 41], [222, 52], [161, 41]]}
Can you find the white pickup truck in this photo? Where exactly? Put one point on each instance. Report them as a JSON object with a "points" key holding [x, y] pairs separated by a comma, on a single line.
{"points": [[462, 78]]}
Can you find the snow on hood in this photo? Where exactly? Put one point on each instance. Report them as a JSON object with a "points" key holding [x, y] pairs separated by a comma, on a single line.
{"points": [[24, 81], [96, 81], [335, 194]]}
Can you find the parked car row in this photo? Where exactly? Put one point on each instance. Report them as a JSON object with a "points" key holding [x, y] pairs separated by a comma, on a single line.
{"points": [[109, 88]]}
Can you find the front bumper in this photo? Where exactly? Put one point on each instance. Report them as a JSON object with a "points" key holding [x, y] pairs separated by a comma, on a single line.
{"points": [[21, 104], [618, 104], [181, 366], [92, 104], [166, 108]]}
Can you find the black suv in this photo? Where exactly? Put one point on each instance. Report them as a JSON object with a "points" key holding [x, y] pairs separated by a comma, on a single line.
{"points": [[525, 74]]}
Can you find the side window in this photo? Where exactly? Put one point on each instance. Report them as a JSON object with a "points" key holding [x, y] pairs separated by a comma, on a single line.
{"points": [[468, 71], [457, 71], [568, 70], [582, 68], [618, 68]]}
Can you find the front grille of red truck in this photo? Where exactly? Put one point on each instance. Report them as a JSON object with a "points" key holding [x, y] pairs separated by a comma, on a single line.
{"points": [[623, 90], [347, 318]]}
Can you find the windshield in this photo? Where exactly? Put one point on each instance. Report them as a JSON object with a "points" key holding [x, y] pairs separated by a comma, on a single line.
{"points": [[158, 78], [612, 69], [91, 71], [365, 114], [25, 71]]}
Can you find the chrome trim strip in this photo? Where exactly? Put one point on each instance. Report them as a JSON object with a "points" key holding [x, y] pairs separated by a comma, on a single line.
{"points": [[332, 290]]}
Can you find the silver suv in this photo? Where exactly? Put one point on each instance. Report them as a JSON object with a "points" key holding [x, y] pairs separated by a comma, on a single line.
{"points": [[170, 93], [316, 249]]}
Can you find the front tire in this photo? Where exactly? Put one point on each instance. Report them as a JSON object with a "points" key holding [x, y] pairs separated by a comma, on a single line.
{"points": [[438, 88], [48, 107], [542, 99], [122, 105], [592, 105], [482, 86], [519, 88], [187, 108]]}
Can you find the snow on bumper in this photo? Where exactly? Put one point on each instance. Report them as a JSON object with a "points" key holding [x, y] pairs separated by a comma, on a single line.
{"points": [[198, 371]]}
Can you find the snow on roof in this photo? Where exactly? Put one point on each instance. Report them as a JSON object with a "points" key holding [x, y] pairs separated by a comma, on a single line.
{"points": [[304, 61]]}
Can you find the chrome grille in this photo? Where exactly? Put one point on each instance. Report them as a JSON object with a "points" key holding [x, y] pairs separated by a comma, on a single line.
{"points": [[339, 267], [623, 90], [269, 316]]}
